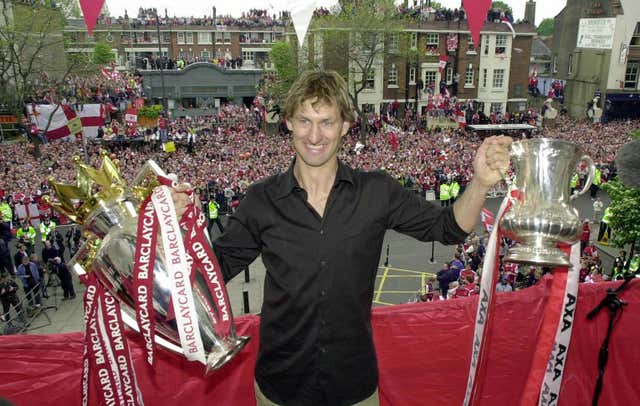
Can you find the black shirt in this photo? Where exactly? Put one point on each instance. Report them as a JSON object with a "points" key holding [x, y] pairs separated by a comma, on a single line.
{"points": [[316, 345]]}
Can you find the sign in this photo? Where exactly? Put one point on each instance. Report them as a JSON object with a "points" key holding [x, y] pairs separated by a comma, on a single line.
{"points": [[431, 195], [596, 33], [8, 120]]}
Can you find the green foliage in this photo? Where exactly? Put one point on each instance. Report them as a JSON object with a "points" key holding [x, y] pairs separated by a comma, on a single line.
{"points": [[102, 54], [283, 56], [635, 133], [502, 6], [70, 8], [152, 111], [546, 27], [625, 212]]}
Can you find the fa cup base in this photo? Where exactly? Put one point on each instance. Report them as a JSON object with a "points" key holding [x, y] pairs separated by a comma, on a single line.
{"points": [[219, 356], [538, 256]]}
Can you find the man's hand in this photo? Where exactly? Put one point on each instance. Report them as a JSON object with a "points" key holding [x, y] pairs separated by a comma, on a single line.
{"points": [[181, 198], [492, 160]]}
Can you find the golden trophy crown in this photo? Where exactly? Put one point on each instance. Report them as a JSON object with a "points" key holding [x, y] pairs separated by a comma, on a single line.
{"points": [[95, 185]]}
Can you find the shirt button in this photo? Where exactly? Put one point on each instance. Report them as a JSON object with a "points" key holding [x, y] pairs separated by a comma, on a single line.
{"points": [[323, 292]]}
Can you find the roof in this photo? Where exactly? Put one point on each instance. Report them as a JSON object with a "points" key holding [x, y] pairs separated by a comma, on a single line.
{"points": [[539, 48]]}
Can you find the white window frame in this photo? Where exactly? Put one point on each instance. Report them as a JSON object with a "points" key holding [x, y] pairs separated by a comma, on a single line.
{"points": [[227, 37], [370, 81], [181, 38], [248, 55], [428, 72], [468, 76], [471, 49], [433, 38], [204, 37], [394, 42], [486, 41], [628, 76], [498, 78], [495, 108], [449, 75], [485, 75], [189, 37], [207, 56], [392, 76], [413, 40], [412, 75]]}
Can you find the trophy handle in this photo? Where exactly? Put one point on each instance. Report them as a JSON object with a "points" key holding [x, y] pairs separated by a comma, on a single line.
{"points": [[592, 174]]}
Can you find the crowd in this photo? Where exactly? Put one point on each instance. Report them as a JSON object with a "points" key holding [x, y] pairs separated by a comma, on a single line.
{"points": [[150, 17]]}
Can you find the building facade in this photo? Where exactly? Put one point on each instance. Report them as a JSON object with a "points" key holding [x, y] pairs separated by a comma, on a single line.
{"points": [[596, 51], [494, 74]]}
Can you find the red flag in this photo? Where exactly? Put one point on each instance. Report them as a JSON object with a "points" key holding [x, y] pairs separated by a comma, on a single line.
{"points": [[462, 122], [487, 218], [443, 63], [91, 11], [476, 16]]}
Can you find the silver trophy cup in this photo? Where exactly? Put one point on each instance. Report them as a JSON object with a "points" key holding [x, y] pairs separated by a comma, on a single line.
{"points": [[541, 216], [109, 221]]}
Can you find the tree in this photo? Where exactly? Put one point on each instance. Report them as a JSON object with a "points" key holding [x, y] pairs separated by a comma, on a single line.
{"points": [[102, 54], [283, 56], [546, 27], [354, 43], [70, 8], [502, 6], [624, 211]]}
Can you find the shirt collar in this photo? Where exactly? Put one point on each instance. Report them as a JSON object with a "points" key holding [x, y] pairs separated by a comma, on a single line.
{"points": [[288, 181]]}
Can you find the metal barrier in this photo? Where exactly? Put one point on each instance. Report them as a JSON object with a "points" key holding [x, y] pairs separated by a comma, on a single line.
{"points": [[21, 317]]}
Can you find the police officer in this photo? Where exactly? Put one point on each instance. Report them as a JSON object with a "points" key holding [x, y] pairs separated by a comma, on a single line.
{"points": [[454, 190], [213, 209], [47, 228], [27, 236], [7, 215], [444, 194]]}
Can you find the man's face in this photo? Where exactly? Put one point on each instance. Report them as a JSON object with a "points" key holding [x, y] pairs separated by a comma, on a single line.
{"points": [[317, 132]]}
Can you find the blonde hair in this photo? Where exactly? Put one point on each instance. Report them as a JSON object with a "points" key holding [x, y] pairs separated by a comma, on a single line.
{"points": [[320, 87]]}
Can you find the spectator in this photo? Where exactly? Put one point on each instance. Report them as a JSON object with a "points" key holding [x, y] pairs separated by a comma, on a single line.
{"points": [[28, 273], [9, 297], [65, 279], [504, 285]]}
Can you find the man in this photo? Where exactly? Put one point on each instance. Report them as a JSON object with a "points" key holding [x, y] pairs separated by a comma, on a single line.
{"points": [[21, 253], [6, 266], [597, 210], [213, 208], [503, 285], [28, 273], [9, 297], [65, 278], [47, 227], [27, 236], [7, 215], [320, 227]]}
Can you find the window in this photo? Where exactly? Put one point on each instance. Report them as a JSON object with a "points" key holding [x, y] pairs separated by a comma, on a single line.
{"points": [[204, 55], [412, 76], [555, 64], [496, 108], [485, 40], [468, 76], [413, 40], [432, 39], [471, 48], [370, 81], [267, 37], [227, 37], [166, 37], [248, 55], [394, 42], [631, 75], [432, 43], [449, 76], [498, 78], [501, 44], [430, 79], [219, 36], [204, 38], [484, 77], [189, 37], [392, 78], [181, 38], [570, 67]]}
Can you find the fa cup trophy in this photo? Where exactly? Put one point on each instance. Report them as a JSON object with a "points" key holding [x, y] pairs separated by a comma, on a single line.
{"points": [[541, 216], [109, 211]]}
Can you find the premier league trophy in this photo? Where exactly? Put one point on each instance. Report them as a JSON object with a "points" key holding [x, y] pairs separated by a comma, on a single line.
{"points": [[109, 212], [541, 216]]}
